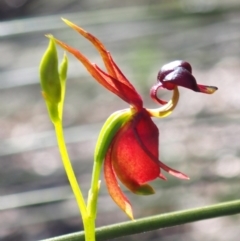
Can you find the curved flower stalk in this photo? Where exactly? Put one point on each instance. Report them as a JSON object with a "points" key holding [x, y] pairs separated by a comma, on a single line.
{"points": [[129, 140], [53, 83]]}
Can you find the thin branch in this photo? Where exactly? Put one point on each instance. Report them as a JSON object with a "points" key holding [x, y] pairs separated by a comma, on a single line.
{"points": [[157, 222]]}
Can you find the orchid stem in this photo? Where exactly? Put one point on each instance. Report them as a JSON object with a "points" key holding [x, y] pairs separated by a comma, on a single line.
{"points": [[157, 222], [94, 190], [88, 221]]}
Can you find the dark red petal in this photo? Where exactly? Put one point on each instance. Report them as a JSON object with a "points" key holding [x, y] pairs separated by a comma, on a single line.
{"points": [[120, 76], [179, 73], [168, 68], [180, 77]]}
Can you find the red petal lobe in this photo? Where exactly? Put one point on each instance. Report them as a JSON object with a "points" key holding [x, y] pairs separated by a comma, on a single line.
{"points": [[113, 188], [132, 164]]}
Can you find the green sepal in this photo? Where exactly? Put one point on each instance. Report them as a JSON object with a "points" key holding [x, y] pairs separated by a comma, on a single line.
{"points": [[144, 190], [108, 132]]}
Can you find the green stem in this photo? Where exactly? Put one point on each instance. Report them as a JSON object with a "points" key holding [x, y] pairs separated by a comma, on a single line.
{"points": [[94, 190], [88, 222], [157, 222]]}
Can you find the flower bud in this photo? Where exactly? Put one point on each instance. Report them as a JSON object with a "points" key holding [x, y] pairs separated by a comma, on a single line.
{"points": [[49, 76], [53, 82]]}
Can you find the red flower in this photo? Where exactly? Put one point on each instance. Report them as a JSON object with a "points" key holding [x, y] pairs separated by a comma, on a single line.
{"points": [[132, 153]]}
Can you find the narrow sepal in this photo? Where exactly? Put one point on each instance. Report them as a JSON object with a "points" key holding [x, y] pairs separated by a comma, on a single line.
{"points": [[103, 78], [172, 171], [162, 177], [119, 84], [113, 188]]}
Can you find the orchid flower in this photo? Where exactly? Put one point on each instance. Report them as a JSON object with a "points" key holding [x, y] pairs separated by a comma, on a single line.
{"points": [[128, 143]]}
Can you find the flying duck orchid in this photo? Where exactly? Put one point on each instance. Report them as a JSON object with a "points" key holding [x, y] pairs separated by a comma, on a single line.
{"points": [[128, 144]]}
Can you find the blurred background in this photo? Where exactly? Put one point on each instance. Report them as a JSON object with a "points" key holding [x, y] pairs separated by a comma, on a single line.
{"points": [[201, 137]]}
